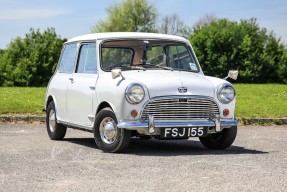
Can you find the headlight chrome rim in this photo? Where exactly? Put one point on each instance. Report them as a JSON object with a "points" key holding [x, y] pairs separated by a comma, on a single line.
{"points": [[130, 97], [225, 98]]}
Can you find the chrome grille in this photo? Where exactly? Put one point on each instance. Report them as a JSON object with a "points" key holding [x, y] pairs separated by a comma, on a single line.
{"points": [[190, 108]]}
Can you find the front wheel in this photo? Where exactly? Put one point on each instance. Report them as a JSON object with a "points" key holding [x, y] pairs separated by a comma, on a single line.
{"points": [[221, 140], [107, 136]]}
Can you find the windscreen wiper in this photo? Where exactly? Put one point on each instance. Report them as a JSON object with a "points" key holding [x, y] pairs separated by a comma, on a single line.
{"points": [[155, 66], [163, 67], [138, 67]]}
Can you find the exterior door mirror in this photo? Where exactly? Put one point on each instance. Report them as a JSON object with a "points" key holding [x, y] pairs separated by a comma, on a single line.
{"points": [[232, 74], [116, 73]]}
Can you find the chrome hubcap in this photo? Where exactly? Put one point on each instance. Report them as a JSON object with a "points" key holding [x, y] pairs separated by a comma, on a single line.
{"points": [[52, 120], [108, 130]]}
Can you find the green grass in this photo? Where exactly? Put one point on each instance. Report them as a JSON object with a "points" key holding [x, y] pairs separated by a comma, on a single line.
{"points": [[268, 100], [22, 100]]}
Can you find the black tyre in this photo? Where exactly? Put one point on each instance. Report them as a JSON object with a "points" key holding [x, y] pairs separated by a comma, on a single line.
{"points": [[145, 137], [55, 130], [221, 140], [107, 136]]}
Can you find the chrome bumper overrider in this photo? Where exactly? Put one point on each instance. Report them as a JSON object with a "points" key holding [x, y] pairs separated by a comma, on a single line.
{"points": [[151, 124]]}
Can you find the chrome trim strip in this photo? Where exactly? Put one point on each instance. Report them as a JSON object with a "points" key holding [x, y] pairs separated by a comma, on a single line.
{"points": [[134, 125], [150, 123], [75, 126], [217, 123]]}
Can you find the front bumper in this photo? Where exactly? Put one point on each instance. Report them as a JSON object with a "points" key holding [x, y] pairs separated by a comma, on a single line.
{"points": [[151, 124]]}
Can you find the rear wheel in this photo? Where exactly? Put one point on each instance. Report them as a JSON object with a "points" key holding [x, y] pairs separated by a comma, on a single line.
{"points": [[107, 136], [55, 130], [221, 140]]}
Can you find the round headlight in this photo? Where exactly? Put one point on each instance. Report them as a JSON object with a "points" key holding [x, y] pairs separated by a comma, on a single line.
{"points": [[135, 93], [226, 93]]}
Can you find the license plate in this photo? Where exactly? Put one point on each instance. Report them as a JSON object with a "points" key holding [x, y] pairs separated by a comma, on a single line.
{"points": [[180, 133]]}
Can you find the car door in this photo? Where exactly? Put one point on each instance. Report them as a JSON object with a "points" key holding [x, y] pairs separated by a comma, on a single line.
{"points": [[61, 80], [82, 87]]}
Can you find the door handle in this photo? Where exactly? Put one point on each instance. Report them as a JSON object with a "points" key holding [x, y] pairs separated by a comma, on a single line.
{"points": [[93, 87], [71, 79]]}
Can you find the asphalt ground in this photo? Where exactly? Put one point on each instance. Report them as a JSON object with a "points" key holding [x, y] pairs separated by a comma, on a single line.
{"points": [[30, 161]]}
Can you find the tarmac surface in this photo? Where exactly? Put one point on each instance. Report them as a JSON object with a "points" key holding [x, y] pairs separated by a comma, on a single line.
{"points": [[30, 161]]}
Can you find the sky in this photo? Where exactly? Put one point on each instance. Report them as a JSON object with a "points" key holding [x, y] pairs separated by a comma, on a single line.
{"points": [[71, 18]]}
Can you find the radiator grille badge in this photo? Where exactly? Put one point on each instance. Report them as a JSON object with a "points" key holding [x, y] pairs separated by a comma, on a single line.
{"points": [[182, 89]]}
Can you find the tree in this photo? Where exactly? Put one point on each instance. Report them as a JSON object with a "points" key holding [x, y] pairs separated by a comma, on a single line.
{"points": [[129, 16], [30, 61], [258, 55], [1, 67], [173, 25], [204, 21]]}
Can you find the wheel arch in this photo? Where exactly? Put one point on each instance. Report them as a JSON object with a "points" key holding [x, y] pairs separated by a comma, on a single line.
{"points": [[49, 100], [106, 104]]}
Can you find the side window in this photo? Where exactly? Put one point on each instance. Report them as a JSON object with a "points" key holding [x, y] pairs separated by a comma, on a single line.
{"points": [[68, 59], [87, 62]]}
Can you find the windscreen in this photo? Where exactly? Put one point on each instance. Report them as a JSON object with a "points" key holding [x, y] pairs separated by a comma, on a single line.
{"points": [[147, 55]]}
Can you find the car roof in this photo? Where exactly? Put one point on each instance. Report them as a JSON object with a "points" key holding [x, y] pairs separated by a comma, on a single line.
{"points": [[125, 35]]}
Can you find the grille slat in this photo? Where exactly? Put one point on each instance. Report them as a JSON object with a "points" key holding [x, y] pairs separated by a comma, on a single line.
{"points": [[180, 109]]}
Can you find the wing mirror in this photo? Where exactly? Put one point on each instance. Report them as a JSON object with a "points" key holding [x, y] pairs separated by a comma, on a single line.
{"points": [[232, 74], [116, 73]]}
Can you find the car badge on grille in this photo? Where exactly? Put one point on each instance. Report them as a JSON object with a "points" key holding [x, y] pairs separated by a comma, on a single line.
{"points": [[182, 89]]}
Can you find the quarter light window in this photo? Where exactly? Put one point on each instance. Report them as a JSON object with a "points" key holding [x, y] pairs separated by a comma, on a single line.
{"points": [[68, 59]]}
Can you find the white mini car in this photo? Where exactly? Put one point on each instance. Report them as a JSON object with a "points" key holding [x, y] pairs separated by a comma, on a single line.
{"points": [[123, 85]]}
